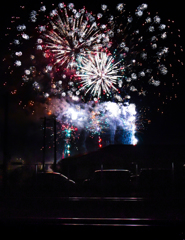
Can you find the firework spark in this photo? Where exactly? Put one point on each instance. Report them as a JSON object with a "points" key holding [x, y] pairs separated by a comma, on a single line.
{"points": [[70, 35], [99, 74], [120, 54], [141, 40], [97, 118]]}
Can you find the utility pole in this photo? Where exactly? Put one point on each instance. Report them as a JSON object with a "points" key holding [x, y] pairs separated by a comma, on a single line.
{"points": [[5, 140], [55, 144], [44, 143]]}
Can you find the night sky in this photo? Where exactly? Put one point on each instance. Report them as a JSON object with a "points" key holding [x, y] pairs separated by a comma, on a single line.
{"points": [[25, 131]]}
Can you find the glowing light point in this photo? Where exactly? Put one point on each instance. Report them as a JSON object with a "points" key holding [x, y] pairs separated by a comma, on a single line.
{"points": [[103, 7], [43, 8], [98, 74], [61, 5], [25, 36], [19, 54], [120, 6], [134, 141], [139, 13], [18, 63]]}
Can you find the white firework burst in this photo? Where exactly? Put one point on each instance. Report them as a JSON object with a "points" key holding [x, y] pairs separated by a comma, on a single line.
{"points": [[98, 73], [70, 36]]}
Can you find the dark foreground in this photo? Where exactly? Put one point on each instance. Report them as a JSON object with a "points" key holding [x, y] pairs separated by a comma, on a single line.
{"points": [[154, 218], [130, 200]]}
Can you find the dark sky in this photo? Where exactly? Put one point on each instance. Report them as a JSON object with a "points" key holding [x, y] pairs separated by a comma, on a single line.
{"points": [[24, 132]]}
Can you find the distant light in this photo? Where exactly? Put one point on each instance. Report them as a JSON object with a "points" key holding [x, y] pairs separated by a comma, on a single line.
{"points": [[74, 114], [25, 36], [46, 95], [18, 63], [134, 141]]}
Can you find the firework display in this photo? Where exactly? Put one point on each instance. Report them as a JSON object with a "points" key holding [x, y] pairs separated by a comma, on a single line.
{"points": [[98, 74], [91, 68], [69, 36]]}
